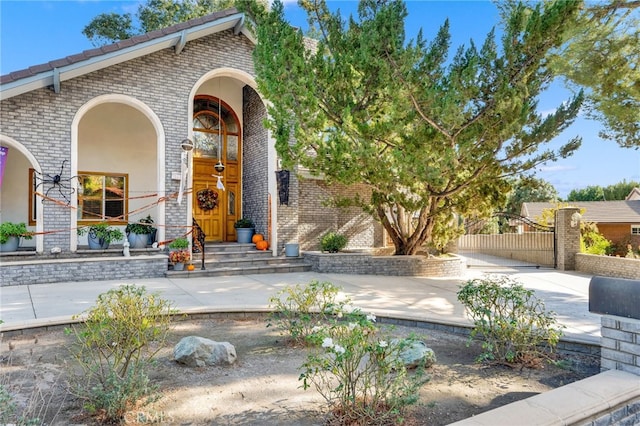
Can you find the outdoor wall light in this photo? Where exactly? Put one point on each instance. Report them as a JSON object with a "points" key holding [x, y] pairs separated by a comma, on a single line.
{"points": [[575, 219], [219, 167], [186, 145]]}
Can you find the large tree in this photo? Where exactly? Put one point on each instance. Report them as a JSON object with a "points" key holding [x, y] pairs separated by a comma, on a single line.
{"points": [[430, 136], [602, 54], [529, 190], [152, 15], [618, 191]]}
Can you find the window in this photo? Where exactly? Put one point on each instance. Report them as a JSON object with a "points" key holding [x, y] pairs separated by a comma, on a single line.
{"points": [[102, 196], [635, 229]]}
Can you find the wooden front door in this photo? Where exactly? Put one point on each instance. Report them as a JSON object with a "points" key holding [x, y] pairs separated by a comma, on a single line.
{"points": [[216, 139]]}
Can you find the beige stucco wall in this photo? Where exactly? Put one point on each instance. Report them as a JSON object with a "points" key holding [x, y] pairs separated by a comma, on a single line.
{"points": [[14, 194]]}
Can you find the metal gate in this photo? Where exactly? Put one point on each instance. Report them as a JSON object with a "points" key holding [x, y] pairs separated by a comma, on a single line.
{"points": [[508, 240]]}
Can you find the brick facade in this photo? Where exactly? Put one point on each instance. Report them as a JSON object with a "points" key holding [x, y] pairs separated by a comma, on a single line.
{"points": [[608, 266], [43, 122]]}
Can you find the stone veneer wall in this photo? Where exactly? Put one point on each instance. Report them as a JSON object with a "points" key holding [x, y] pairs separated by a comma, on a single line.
{"points": [[367, 264], [255, 191], [608, 266], [620, 344], [77, 269]]}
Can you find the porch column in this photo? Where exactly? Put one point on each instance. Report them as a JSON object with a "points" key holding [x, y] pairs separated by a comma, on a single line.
{"points": [[567, 238], [272, 187]]}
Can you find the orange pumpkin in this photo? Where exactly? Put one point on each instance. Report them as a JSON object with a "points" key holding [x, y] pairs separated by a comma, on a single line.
{"points": [[262, 245], [256, 238], [191, 267]]}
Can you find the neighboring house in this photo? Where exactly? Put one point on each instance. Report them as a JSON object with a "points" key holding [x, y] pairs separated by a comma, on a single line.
{"points": [[100, 134], [634, 194], [617, 221]]}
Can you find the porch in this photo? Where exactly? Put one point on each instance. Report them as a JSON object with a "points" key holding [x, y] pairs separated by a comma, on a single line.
{"points": [[27, 267]]}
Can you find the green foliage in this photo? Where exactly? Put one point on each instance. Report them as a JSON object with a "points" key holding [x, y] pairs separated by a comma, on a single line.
{"points": [[115, 346], [109, 27], [143, 226], [528, 190], [430, 135], [360, 373], [9, 229], [7, 406], [631, 253], [244, 223], [297, 310], [333, 242], [151, 15], [618, 191], [102, 232], [601, 53], [513, 322], [179, 244], [592, 241]]}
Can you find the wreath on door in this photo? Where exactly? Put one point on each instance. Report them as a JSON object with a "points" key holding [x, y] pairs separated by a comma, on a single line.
{"points": [[207, 199]]}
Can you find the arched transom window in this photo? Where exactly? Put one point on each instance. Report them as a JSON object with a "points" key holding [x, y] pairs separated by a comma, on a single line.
{"points": [[215, 130]]}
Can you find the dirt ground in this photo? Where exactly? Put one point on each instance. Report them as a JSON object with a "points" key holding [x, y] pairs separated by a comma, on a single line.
{"points": [[262, 387]]}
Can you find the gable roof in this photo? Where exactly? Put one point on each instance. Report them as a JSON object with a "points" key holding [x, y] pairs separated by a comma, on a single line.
{"points": [[634, 194], [627, 211], [176, 36]]}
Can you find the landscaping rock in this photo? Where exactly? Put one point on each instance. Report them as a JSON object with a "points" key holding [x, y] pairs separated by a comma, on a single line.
{"points": [[415, 353], [194, 351]]}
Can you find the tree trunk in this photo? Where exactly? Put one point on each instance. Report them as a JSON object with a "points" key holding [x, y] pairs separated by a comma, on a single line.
{"points": [[410, 244]]}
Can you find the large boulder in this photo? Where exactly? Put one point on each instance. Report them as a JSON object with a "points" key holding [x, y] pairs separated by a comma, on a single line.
{"points": [[194, 351], [414, 353]]}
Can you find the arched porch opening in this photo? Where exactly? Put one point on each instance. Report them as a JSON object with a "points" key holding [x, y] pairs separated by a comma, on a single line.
{"points": [[17, 200], [118, 150]]}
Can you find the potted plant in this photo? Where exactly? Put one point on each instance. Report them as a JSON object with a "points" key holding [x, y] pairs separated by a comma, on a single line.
{"points": [[10, 234], [179, 253], [179, 258], [140, 233], [101, 235], [179, 244], [244, 230]]}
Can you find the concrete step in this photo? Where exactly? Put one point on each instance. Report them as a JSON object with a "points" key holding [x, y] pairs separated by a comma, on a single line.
{"points": [[228, 247], [248, 261], [241, 254], [220, 270]]}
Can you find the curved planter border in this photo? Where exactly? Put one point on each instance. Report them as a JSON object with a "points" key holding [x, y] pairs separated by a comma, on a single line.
{"points": [[368, 264]]}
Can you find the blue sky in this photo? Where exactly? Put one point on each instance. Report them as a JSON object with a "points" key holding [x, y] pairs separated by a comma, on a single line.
{"points": [[34, 31]]}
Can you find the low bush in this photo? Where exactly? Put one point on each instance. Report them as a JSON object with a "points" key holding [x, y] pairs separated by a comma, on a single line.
{"points": [[360, 373], [333, 242], [513, 322], [296, 310], [114, 348]]}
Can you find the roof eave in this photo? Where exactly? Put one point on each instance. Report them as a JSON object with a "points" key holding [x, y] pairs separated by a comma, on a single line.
{"points": [[68, 72]]}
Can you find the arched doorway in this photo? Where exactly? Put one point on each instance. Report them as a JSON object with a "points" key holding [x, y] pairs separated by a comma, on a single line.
{"points": [[217, 139]]}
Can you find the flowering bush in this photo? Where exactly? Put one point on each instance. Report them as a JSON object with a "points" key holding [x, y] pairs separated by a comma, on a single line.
{"points": [[297, 309], [179, 256], [359, 372]]}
